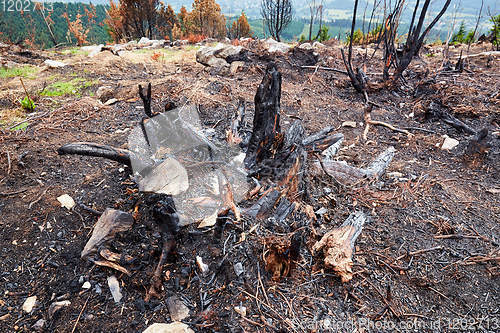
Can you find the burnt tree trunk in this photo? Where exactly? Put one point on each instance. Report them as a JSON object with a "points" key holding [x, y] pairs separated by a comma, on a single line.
{"points": [[266, 121]]}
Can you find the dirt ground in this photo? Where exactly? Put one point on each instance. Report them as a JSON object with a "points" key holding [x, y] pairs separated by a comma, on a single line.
{"points": [[428, 261]]}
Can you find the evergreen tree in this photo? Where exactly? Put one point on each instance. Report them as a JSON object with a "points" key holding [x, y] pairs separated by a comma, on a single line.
{"points": [[459, 37]]}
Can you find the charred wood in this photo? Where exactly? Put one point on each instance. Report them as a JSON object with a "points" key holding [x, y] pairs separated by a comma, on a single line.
{"points": [[146, 100], [435, 111], [266, 122], [96, 150]]}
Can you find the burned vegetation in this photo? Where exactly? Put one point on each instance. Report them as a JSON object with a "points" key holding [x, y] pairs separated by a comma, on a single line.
{"points": [[259, 191]]}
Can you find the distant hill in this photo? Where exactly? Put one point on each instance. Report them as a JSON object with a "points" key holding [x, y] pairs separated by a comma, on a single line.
{"points": [[342, 9]]}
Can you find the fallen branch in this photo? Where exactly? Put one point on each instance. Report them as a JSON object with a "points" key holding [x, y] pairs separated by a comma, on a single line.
{"points": [[96, 150], [434, 110], [369, 121], [346, 174], [325, 69]]}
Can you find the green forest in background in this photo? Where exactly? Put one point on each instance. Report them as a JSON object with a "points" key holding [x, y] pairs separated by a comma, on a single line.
{"points": [[16, 27]]}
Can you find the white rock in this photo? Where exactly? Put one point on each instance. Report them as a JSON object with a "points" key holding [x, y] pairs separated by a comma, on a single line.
{"points": [[144, 40], [105, 93], [156, 44], [235, 65], [206, 56], [318, 45], [66, 201], [241, 310], [321, 211], [111, 101], [201, 265], [395, 174], [54, 63], [449, 143], [175, 327], [273, 46], [86, 285], [349, 124], [29, 304], [95, 50], [114, 287], [228, 51], [208, 221], [305, 46], [56, 306], [238, 268]]}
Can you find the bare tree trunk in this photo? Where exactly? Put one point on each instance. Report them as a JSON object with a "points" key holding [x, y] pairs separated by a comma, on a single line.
{"points": [[320, 20], [52, 37], [477, 24]]}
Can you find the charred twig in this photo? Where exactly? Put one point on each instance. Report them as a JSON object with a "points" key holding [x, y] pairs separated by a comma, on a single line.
{"points": [[369, 121], [168, 221], [7, 194], [87, 208], [168, 246], [325, 69], [434, 111], [8, 163]]}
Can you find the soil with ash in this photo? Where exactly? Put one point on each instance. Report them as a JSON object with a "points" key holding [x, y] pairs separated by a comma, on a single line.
{"points": [[428, 256]]}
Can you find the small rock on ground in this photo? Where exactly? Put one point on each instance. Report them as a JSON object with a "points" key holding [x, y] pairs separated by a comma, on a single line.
{"points": [[178, 311], [174, 327]]}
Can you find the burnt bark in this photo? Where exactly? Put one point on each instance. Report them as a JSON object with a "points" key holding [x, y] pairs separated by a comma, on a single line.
{"points": [[146, 100], [266, 122], [97, 150]]}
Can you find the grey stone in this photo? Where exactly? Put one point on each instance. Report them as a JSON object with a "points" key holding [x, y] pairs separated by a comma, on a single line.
{"points": [[178, 311], [111, 222]]}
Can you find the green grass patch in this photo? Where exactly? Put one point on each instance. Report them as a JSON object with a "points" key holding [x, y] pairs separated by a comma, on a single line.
{"points": [[195, 47], [73, 87], [21, 126], [74, 51], [23, 71]]}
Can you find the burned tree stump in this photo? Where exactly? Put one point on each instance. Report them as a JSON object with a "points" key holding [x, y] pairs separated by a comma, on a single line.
{"points": [[266, 121]]}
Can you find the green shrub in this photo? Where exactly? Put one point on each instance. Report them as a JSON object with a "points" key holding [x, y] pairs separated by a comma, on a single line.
{"points": [[459, 37], [323, 34], [28, 104], [495, 30], [357, 37]]}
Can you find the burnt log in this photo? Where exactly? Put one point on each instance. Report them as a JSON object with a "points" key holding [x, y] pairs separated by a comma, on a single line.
{"points": [[96, 150], [435, 111]]}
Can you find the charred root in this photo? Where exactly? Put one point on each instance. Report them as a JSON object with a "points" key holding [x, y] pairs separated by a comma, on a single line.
{"points": [[96, 150]]}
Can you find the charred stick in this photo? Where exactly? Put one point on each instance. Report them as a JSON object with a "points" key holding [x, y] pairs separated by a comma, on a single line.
{"points": [[96, 150]]}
